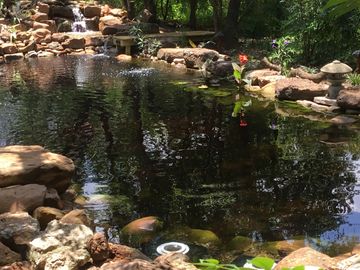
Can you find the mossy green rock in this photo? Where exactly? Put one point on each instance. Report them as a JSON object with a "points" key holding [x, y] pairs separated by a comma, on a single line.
{"points": [[141, 230], [240, 243]]}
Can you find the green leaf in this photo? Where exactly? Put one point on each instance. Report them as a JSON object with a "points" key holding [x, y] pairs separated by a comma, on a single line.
{"points": [[301, 267], [212, 261], [263, 262]]}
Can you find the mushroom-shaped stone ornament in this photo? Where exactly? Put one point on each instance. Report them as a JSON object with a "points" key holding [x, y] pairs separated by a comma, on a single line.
{"points": [[356, 54], [335, 72]]}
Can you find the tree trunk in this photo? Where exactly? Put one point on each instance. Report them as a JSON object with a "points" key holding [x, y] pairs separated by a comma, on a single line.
{"points": [[150, 5], [230, 29], [217, 17], [192, 19]]}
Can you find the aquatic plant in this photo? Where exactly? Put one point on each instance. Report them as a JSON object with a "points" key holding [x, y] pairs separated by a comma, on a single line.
{"points": [[147, 46], [239, 73]]}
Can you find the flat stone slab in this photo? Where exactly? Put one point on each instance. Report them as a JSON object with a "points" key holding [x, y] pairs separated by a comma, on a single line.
{"points": [[21, 165], [343, 120], [325, 101]]}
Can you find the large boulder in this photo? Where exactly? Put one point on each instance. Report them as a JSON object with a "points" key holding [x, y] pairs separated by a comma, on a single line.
{"points": [[349, 98], [308, 257], [194, 57], [8, 256], [45, 215], [110, 25], [26, 197], [18, 228], [61, 246], [297, 88], [77, 216], [220, 68], [21, 165]]}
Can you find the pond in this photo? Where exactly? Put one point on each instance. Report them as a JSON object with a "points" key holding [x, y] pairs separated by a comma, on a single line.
{"points": [[156, 145]]}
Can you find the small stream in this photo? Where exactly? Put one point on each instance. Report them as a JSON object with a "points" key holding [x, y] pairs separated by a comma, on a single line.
{"points": [[147, 141]]}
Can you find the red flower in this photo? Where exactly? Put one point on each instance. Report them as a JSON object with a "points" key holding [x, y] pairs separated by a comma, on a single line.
{"points": [[243, 59], [243, 123]]}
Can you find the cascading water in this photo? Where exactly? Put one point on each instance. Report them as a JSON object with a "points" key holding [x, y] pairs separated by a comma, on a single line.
{"points": [[79, 24]]}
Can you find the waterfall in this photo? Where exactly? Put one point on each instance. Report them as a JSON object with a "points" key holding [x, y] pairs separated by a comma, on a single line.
{"points": [[79, 24]]}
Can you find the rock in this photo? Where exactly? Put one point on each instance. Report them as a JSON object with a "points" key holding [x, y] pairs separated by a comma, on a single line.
{"points": [[92, 11], [174, 261], [41, 35], [59, 37], [38, 25], [220, 68], [285, 247], [2, 60], [61, 11], [194, 57], [118, 12], [343, 120], [105, 10], [43, 8], [9, 48], [133, 265], [33, 164], [123, 58], [203, 237], [325, 101], [125, 253], [240, 243], [349, 98], [61, 246], [74, 43], [45, 54], [30, 47], [38, 17], [77, 216], [22, 36], [18, 266], [18, 228], [264, 80], [253, 75], [98, 248], [8, 58], [26, 197], [296, 88], [306, 256], [110, 25], [317, 107], [8, 256], [268, 91], [52, 199], [145, 16], [55, 46], [141, 230], [94, 41], [92, 24], [45, 215], [64, 26]]}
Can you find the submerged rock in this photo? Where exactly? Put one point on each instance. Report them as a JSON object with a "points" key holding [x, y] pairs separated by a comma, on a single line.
{"points": [[240, 243], [33, 164], [141, 230], [61, 246]]}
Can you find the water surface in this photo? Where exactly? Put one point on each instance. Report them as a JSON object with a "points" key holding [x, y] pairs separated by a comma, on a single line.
{"points": [[140, 135]]}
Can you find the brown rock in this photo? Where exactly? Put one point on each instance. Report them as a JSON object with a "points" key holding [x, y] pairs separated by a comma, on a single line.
{"points": [[74, 43], [52, 199], [46, 214], [18, 266], [40, 47], [263, 81], [8, 58], [43, 8], [41, 35], [9, 48], [118, 12], [51, 25], [297, 88], [2, 60], [33, 164], [38, 17], [175, 261], [105, 10], [92, 11], [94, 41], [8, 256], [92, 24], [59, 37], [110, 25], [77, 216], [55, 46], [123, 58], [38, 25], [98, 247], [254, 74], [306, 256], [125, 253], [22, 36], [25, 198], [133, 265], [349, 98], [61, 11], [343, 120]]}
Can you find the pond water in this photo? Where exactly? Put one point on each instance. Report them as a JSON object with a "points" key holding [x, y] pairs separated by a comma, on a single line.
{"points": [[156, 145]]}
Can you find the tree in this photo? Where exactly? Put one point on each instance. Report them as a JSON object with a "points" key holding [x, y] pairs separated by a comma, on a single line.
{"points": [[231, 25], [192, 18]]}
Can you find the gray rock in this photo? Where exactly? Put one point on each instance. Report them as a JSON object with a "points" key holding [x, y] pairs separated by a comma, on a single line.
{"points": [[26, 197], [18, 228], [61, 246]]}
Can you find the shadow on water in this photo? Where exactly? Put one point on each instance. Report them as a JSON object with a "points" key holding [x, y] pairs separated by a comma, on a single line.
{"points": [[154, 149]]}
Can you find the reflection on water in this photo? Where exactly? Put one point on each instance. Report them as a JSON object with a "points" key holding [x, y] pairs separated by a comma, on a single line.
{"points": [[159, 150]]}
